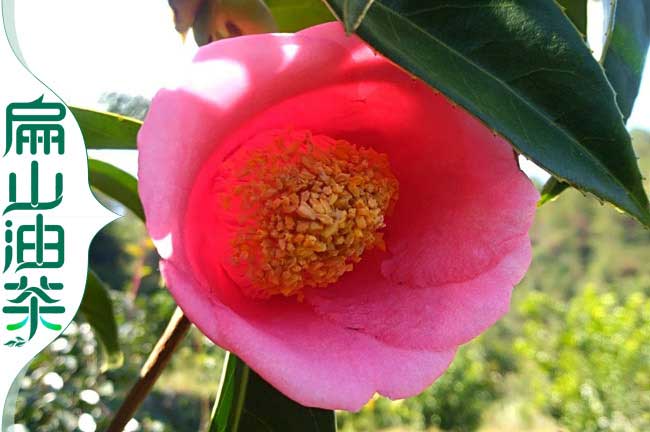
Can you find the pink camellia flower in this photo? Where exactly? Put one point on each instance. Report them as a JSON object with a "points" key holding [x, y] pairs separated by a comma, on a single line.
{"points": [[328, 218]]}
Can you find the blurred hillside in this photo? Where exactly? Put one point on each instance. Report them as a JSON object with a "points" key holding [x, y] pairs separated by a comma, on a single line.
{"points": [[572, 354]]}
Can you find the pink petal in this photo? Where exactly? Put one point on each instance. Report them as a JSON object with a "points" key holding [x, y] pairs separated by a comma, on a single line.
{"points": [[434, 318], [310, 360]]}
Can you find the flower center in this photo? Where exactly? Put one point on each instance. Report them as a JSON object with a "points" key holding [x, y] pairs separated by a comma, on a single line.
{"points": [[310, 207]]}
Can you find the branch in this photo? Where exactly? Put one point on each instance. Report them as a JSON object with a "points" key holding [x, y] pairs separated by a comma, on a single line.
{"points": [[160, 355]]}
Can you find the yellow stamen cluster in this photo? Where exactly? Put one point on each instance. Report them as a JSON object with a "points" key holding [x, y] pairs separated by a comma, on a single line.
{"points": [[311, 209]]}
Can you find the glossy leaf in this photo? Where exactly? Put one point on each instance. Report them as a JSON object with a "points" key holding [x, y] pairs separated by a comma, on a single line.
{"points": [[294, 15], [521, 68], [353, 13], [229, 405], [247, 403], [576, 10], [116, 184], [623, 59], [103, 130], [97, 308]]}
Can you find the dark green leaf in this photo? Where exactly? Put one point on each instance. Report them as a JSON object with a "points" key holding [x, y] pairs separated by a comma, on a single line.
{"points": [[576, 10], [353, 13], [294, 15], [623, 59], [247, 403], [97, 308], [102, 130], [229, 405], [520, 67], [116, 184], [266, 409]]}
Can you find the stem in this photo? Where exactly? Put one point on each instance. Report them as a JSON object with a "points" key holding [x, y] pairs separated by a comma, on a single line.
{"points": [[176, 330]]}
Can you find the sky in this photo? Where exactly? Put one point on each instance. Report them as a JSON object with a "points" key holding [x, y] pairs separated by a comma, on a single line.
{"points": [[84, 48]]}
